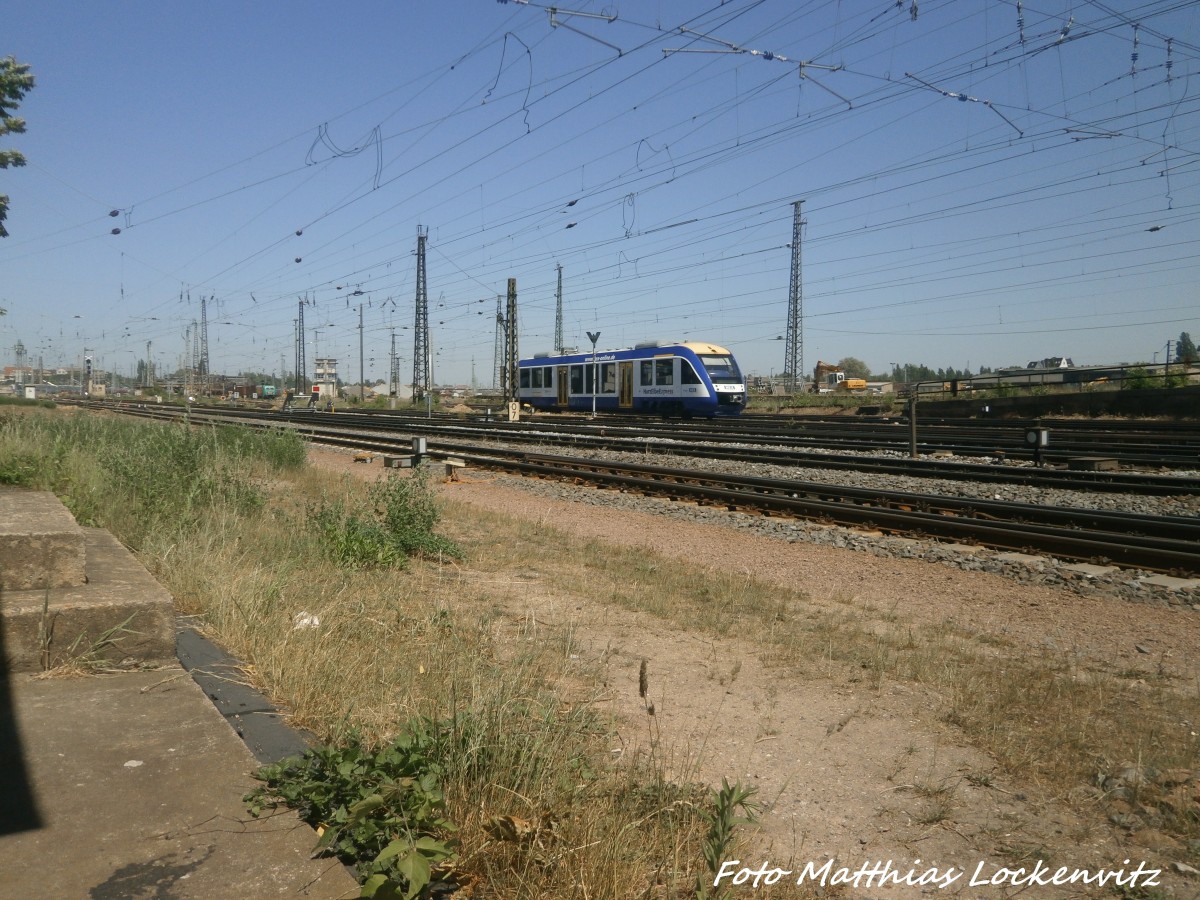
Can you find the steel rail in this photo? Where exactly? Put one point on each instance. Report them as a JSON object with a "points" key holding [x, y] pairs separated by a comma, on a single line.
{"points": [[1140, 443]]}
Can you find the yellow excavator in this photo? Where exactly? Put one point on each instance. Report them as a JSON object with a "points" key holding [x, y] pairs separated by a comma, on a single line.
{"points": [[830, 379]]}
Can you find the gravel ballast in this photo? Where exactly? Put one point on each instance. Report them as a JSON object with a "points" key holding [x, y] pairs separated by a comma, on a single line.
{"points": [[1130, 584]]}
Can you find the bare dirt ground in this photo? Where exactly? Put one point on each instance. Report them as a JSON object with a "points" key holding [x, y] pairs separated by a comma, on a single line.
{"points": [[849, 771]]}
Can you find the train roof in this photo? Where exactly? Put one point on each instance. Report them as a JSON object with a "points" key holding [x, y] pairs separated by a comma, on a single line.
{"points": [[706, 348], [695, 346]]}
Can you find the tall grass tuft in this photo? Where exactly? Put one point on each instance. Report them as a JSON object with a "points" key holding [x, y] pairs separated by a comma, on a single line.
{"points": [[136, 479]]}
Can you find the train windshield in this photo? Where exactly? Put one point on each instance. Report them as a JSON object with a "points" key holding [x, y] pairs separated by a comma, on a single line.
{"points": [[721, 369]]}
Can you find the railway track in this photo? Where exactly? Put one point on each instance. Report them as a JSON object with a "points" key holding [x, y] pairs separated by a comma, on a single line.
{"points": [[1131, 445], [734, 448], [1169, 544]]}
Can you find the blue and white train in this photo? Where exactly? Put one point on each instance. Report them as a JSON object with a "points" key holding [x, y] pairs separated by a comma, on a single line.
{"points": [[685, 380]]}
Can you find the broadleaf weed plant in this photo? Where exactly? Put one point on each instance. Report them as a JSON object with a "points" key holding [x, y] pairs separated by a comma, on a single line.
{"points": [[378, 810]]}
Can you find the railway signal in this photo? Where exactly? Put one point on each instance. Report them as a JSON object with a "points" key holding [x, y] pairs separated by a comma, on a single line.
{"points": [[1037, 438], [594, 336]]}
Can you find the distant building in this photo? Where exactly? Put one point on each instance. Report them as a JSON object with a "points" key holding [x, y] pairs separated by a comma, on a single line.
{"points": [[325, 378], [1051, 362]]}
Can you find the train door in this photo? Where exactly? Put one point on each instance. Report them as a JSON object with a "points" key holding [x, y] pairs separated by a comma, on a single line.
{"points": [[563, 384], [625, 383]]}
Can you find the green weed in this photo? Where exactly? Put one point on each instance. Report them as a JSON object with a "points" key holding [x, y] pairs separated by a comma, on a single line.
{"points": [[395, 522], [378, 811], [723, 820]]}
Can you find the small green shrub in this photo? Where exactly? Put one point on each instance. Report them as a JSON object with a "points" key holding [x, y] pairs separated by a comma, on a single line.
{"points": [[1138, 378], [353, 539], [1174, 379], [378, 811], [396, 522], [19, 468]]}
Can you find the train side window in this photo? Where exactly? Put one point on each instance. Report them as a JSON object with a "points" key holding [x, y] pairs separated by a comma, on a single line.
{"points": [[687, 375], [662, 371], [524, 378], [589, 379], [548, 377], [537, 378], [608, 378], [577, 380], [647, 375]]}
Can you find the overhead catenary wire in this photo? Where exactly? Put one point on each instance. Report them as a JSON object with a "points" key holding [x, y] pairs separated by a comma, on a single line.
{"points": [[681, 168]]}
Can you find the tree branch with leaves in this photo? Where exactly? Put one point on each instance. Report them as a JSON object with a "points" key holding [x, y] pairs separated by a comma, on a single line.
{"points": [[15, 83]]}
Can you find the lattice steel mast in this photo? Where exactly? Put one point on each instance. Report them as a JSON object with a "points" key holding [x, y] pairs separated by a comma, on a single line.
{"points": [[421, 384], [195, 363], [793, 351], [394, 369], [202, 365], [508, 383], [558, 338], [300, 365]]}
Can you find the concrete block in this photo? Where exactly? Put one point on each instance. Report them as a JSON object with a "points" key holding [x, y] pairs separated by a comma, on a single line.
{"points": [[1093, 464], [46, 628], [1089, 570], [41, 545], [1172, 583], [1024, 559]]}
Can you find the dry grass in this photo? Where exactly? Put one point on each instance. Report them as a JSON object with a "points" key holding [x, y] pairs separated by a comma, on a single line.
{"points": [[436, 641], [1053, 722], [444, 640]]}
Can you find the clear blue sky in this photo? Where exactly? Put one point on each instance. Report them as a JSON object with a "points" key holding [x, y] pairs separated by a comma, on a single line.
{"points": [[983, 184]]}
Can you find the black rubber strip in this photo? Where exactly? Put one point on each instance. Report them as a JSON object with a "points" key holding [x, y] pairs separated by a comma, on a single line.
{"points": [[255, 719]]}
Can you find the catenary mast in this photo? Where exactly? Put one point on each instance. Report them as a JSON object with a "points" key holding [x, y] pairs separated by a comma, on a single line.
{"points": [[793, 351], [421, 384]]}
